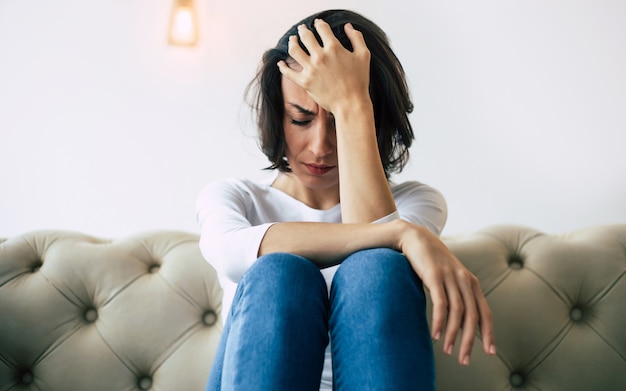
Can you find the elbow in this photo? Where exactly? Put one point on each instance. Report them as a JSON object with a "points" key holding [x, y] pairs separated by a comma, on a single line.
{"points": [[216, 256]]}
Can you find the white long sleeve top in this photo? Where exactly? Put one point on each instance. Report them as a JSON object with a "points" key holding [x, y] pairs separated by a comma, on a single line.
{"points": [[234, 215]]}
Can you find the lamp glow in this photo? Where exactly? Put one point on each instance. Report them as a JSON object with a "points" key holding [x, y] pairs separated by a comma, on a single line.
{"points": [[184, 23]]}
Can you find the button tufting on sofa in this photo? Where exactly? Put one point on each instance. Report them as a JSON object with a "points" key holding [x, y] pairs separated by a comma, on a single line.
{"points": [[144, 383], [558, 318], [154, 268], [557, 305], [91, 315], [516, 262], [576, 314], [209, 318], [36, 266], [138, 324], [27, 377], [516, 379]]}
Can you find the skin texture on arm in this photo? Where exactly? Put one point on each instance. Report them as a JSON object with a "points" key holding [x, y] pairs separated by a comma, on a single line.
{"points": [[338, 81], [326, 244], [458, 303]]}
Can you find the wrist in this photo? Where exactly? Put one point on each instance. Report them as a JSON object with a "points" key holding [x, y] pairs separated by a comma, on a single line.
{"points": [[399, 229], [350, 109], [411, 235]]}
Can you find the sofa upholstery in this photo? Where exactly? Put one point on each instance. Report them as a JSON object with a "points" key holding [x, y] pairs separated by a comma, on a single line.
{"points": [[82, 313], [558, 303], [143, 312]]}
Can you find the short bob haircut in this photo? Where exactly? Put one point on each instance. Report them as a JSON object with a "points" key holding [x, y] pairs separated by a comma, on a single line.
{"points": [[388, 91]]}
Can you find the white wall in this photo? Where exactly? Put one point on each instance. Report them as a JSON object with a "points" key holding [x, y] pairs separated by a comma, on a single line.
{"points": [[105, 129]]}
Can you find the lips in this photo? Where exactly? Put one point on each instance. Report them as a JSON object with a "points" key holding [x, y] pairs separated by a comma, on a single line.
{"points": [[318, 169]]}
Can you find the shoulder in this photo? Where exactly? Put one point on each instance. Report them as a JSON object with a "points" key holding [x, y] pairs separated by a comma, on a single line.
{"points": [[230, 194], [421, 204], [416, 191], [234, 187]]}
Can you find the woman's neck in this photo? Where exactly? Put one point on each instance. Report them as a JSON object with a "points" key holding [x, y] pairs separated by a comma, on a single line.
{"points": [[321, 199]]}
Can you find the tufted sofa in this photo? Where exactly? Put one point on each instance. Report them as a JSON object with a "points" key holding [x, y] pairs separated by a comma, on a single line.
{"points": [[142, 313], [81, 313]]}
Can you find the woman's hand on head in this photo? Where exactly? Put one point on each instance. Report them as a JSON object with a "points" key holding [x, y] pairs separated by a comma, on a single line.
{"points": [[332, 75], [458, 301]]}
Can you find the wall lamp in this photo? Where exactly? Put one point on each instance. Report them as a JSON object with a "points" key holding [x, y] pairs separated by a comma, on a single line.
{"points": [[183, 29]]}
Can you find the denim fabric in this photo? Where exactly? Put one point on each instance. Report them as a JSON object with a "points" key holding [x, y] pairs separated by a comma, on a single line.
{"points": [[282, 316]]}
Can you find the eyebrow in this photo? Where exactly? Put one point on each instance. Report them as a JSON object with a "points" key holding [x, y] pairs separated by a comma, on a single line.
{"points": [[302, 109]]}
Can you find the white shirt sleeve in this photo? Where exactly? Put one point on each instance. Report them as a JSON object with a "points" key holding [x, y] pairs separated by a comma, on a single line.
{"points": [[230, 237], [421, 204], [390, 217], [228, 241]]}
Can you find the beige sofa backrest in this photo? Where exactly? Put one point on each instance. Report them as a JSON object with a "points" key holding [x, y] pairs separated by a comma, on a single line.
{"points": [[559, 306], [80, 313], [142, 313]]}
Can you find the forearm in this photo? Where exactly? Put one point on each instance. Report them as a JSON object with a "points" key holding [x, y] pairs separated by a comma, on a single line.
{"points": [[364, 189], [328, 244]]}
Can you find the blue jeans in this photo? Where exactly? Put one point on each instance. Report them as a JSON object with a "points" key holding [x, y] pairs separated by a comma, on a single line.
{"points": [[282, 317]]}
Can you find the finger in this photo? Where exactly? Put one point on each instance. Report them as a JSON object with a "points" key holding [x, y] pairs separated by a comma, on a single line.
{"points": [[325, 32], [287, 71], [455, 314], [486, 321], [308, 39], [295, 51], [440, 308], [470, 319], [356, 38]]}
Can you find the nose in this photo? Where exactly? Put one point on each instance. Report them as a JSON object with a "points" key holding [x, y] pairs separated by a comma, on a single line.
{"points": [[323, 138]]}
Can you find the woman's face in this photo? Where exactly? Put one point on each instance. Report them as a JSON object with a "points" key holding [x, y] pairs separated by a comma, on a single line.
{"points": [[311, 143]]}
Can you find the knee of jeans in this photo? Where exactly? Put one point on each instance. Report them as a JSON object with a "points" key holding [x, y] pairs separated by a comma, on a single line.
{"points": [[287, 287], [285, 271], [375, 263], [380, 270]]}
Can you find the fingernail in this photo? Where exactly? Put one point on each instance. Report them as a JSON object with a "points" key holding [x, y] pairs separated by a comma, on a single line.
{"points": [[437, 335], [450, 349], [492, 349], [466, 360]]}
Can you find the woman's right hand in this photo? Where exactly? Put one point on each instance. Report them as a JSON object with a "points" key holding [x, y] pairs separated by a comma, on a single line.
{"points": [[334, 76], [338, 80], [458, 301]]}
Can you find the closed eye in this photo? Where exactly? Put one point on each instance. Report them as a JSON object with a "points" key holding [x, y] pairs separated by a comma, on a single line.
{"points": [[300, 123]]}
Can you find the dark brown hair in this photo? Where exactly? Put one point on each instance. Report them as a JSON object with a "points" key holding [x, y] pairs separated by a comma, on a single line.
{"points": [[388, 91]]}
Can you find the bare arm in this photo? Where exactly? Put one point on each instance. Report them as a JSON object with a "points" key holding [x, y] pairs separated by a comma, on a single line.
{"points": [[458, 302], [364, 191], [326, 244], [338, 80]]}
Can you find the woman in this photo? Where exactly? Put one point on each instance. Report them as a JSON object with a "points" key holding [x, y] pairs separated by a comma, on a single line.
{"points": [[331, 257]]}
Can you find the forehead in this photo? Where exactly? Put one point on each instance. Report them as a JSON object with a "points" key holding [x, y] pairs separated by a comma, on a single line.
{"points": [[294, 94]]}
